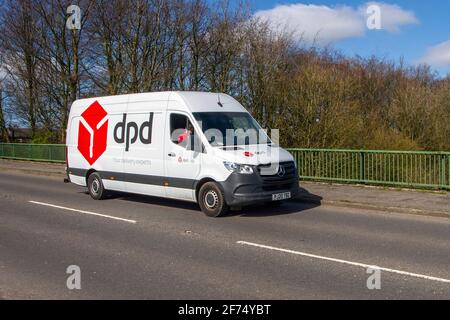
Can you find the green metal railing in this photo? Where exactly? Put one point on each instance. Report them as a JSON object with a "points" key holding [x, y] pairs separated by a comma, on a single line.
{"points": [[34, 152], [412, 169]]}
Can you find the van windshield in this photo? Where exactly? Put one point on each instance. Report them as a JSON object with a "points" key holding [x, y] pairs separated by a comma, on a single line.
{"points": [[231, 129]]}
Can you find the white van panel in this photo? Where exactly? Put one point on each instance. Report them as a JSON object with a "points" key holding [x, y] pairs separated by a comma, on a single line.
{"points": [[180, 194], [201, 102], [146, 189], [113, 185], [112, 160], [81, 181], [146, 159]]}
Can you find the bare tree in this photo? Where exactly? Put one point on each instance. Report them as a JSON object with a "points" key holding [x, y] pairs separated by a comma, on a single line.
{"points": [[225, 40], [106, 45], [62, 52], [316, 97], [21, 53], [3, 129]]}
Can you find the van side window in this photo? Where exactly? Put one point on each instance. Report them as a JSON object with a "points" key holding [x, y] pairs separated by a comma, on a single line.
{"points": [[180, 129]]}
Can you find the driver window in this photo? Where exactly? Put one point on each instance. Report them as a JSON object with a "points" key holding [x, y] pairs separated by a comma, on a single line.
{"points": [[180, 129]]}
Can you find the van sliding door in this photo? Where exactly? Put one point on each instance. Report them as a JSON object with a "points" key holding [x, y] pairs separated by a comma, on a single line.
{"points": [[143, 155]]}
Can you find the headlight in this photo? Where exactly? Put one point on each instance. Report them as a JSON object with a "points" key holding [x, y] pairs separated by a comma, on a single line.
{"points": [[238, 168], [244, 169]]}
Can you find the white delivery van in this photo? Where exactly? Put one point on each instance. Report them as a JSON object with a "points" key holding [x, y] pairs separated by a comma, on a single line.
{"points": [[192, 146]]}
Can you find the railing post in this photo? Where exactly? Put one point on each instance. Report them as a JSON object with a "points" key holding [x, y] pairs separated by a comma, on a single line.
{"points": [[448, 171], [442, 176], [362, 166]]}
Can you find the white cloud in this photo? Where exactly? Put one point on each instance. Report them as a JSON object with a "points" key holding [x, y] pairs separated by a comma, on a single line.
{"points": [[437, 56], [312, 22], [325, 24]]}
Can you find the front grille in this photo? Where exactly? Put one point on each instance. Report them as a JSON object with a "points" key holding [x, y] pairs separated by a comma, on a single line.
{"points": [[277, 182], [289, 170]]}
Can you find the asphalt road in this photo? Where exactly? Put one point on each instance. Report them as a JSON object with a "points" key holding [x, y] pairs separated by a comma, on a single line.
{"points": [[163, 249]]}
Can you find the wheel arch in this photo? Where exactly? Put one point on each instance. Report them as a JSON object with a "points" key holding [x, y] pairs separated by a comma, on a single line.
{"points": [[88, 173], [200, 183]]}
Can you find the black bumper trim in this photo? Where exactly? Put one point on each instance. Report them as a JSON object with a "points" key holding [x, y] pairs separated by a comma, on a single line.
{"points": [[248, 199], [241, 190], [139, 178]]}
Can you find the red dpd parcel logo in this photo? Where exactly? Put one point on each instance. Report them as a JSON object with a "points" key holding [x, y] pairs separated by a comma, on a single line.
{"points": [[92, 132]]}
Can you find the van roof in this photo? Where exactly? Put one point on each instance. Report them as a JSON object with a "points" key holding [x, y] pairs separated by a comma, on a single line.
{"points": [[188, 101]]}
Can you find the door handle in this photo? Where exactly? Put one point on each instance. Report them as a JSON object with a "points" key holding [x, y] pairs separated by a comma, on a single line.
{"points": [[172, 155]]}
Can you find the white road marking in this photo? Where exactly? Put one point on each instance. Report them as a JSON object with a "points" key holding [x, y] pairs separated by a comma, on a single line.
{"points": [[363, 265], [82, 211]]}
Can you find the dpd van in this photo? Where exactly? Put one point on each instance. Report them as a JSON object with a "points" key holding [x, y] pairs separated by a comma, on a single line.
{"points": [[192, 146]]}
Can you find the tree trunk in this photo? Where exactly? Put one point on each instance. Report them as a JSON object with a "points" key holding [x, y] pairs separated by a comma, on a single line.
{"points": [[3, 130]]}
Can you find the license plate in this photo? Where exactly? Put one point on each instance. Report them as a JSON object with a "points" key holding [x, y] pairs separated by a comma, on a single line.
{"points": [[281, 196]]}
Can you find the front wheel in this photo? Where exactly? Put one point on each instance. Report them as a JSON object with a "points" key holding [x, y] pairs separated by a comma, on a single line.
{"points": [[95, 187], [212, 200]]}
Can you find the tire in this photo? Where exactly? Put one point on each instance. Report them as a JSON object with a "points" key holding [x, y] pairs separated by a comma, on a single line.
{"points": [[95, 187], [212, 200]]}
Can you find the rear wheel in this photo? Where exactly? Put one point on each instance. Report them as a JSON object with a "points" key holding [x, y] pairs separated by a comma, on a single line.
{"points": [[95, 187], [212, 200]]}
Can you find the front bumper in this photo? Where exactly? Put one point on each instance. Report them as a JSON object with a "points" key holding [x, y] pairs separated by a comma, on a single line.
{"points": [[242, 190]]}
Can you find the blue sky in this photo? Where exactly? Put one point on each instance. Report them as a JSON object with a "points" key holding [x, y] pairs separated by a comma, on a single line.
{"points": [[420, 30]]}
